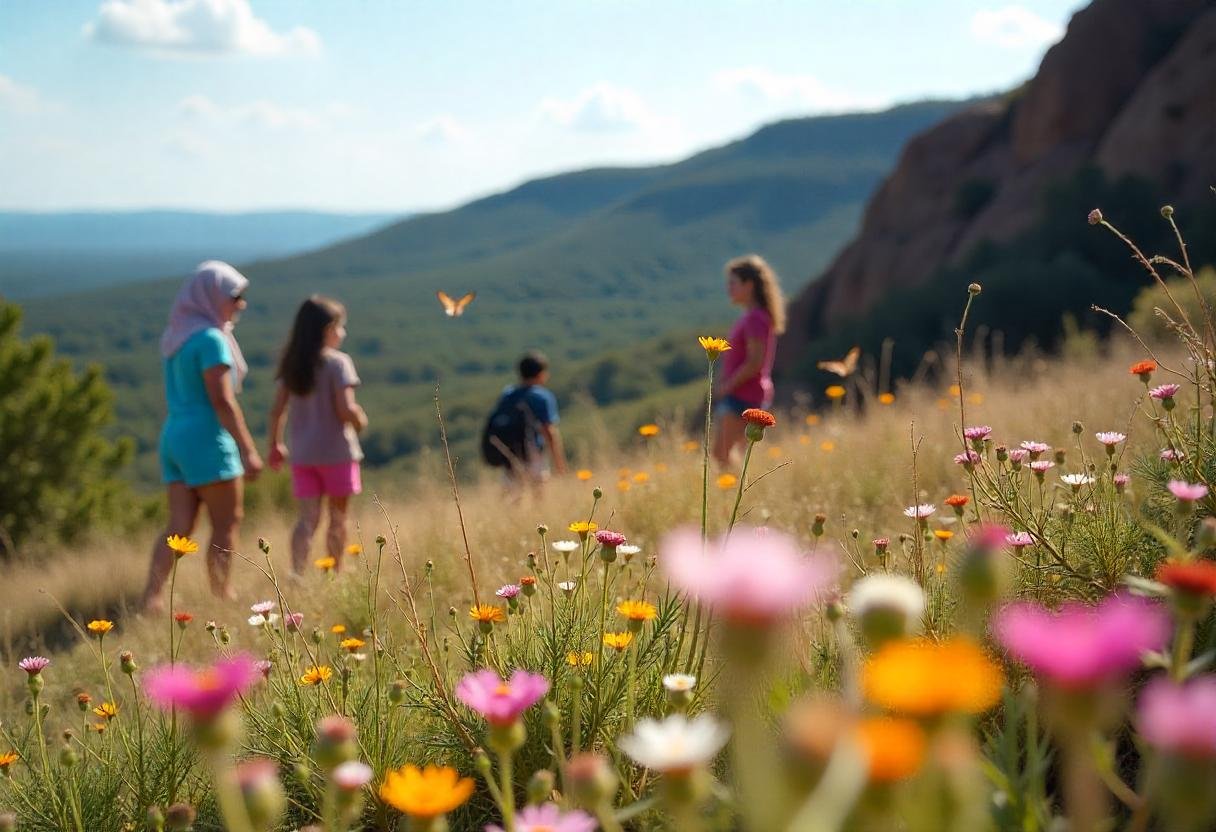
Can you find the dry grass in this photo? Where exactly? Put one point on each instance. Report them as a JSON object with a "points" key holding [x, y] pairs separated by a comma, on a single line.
{"points": [[854, 467]]}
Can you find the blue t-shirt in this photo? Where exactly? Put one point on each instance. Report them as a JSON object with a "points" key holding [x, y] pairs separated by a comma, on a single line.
{"points": [[185, 389], [542, 403]]}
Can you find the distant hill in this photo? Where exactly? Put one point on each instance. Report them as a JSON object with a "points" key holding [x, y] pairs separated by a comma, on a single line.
{"points": [[580, 265], [50, 253]]}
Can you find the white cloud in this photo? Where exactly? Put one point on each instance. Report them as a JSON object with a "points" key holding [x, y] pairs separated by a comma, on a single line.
{"points": [[443, 130], [262, 113], [1014, 27], [199, 27], [804, 92], [17, 97], [601, 108]]}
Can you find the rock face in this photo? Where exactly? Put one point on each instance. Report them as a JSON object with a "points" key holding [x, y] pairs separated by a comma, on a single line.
{"points": [[1131, 88]]}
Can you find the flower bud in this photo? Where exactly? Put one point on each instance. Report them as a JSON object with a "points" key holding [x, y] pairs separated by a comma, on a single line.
{"points": [[974, 289], [551, 717], [225, 637], [481, 762], [506, 739], [83, 700], [35, 683], [317, 635], [335, 742], [817, 524], [754, 432], [154, 820], [1060, 456], [396, 692], [542, 529], [179, 817], [264, 545], [1002, 453], [277, 710], [597, 493], [262, 792], [8, 822], [1167, 211], [68, 757], [1205, 535], [1095, 217], [590, 780], [210, 627], [126, 660], [540, 786]]}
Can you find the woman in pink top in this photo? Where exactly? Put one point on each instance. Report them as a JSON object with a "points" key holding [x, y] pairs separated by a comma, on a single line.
{"points": [[745, 374], [317, 383]]}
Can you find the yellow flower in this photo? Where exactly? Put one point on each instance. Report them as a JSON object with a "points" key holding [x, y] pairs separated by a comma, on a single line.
{"points": [[727, 480], [181, 545], [690, 445], [7, 759], [827, 446], [923, 678], [895, 747], [576, 659], [834, 392], [106, 710], [649, 430], [354, 550], [425, 793], [975, 398], [886, 398], [99, 727], [637, 610], [487, 613], [338, 629], [623, 485], [941, 569], [641, 477], [582, 528], [316, 675], [954, 390], [618, 641], [713, 346], [326, 564], [812, 419], [583, 474], [943, 534], [351, 644], [100, 626]]}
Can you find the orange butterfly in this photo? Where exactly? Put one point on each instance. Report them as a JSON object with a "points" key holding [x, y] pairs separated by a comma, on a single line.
{"points": [[454, 308], [846, 366]]}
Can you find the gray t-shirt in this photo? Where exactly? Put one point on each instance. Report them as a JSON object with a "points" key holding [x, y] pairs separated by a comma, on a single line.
{"points": [[316, 435]]}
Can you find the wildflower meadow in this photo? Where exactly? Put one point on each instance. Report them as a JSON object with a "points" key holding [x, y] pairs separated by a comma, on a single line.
{"points": [[982, 601]]}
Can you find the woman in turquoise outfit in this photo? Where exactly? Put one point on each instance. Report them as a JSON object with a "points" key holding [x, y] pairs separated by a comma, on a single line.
{"points": [[205, 447]]}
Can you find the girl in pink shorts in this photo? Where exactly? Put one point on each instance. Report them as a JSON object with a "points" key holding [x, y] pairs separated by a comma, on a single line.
{"points": [[316, 383]]}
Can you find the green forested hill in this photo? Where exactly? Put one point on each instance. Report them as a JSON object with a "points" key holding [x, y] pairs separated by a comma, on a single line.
{"points": [[592, 267]]}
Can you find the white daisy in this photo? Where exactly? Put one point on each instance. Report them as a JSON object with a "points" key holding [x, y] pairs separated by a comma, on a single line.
{"points": [[679, 682], [676, 745], [565, 546]]}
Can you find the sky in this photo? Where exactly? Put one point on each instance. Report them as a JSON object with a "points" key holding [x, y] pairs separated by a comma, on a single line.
{"points": [[389, 105]]}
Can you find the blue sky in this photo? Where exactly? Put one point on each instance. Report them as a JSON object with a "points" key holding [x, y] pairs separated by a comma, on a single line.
{"points": [[401, 105]]}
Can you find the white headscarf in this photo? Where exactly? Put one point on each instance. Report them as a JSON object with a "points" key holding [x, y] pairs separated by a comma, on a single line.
{"points": [[197, 307]]}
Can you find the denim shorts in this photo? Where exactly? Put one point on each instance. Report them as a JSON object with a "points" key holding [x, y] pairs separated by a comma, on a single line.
{"points": [[730, 405]]}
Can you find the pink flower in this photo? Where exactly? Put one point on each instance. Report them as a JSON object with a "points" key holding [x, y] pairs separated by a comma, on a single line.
{"points": [[609, 538], [352, 775], [1187, 492], [203, 692], [501, 702], [1018, 455], [920, 512], [1121, 480], [750, 578], [967, 458], [293, 620], [1040, 466], [978, 432], [34, 665], [1171, 455], [1180, 719], [1164, 391], [881, 542], [507, 591], [1080, 647], [264, 666], [549, 817], [1110, 438], [1019, 540], [1035, 448], [262, 607]]}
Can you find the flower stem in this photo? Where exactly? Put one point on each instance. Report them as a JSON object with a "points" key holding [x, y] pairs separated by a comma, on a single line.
{"points": [[508, 791]]}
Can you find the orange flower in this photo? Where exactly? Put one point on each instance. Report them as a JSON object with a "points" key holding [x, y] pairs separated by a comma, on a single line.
{"points": [[690, 445], [618, 641], [713, 346], [649, 430], [583, 474], [1143, 368], [352, 644], [181, 545], [924, 678], [100, 626], [756, 416], [895, 747], [106, 710], [577, 659], [7, 759], [727, 480], [641, 478], [487, 614], [886, 398], [425, 793], [1195, 578], [943, 534], [834, 392], [957, 500], [637, 610], [316, 675]]}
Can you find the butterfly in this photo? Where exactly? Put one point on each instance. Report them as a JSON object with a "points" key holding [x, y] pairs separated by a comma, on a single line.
{"points": [[845, 367], [454, 308]]}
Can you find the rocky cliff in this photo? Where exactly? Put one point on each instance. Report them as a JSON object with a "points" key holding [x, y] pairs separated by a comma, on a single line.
{"points": [[1130, 88]]}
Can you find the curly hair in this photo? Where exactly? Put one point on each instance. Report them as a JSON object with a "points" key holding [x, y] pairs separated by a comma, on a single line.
{"points": [[754, 269]]}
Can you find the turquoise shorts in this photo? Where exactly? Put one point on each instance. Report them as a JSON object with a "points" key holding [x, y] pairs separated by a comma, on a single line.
{"points": [[197, 453]]}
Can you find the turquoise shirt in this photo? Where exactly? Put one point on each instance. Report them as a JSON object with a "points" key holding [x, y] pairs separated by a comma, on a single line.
{"points": [[194, 447]]}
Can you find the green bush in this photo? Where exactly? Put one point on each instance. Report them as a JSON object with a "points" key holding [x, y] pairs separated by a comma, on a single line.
{"points": [[1151, 325], [57, 473]]}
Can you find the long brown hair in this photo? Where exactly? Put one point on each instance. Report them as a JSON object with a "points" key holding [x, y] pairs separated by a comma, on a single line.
{"points": [[302, 355], [755, 270]]}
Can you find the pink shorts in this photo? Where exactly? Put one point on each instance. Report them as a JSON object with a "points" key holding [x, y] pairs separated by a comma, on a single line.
{"points": [[340, 480]]}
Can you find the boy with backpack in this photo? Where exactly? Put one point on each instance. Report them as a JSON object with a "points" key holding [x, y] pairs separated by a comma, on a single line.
{"points": [[523, 426]]}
